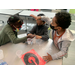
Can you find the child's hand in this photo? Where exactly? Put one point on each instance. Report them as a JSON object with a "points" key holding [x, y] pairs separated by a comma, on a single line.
{"points": [[47, 58], [35, 17], [38, 37], [30, 36]]}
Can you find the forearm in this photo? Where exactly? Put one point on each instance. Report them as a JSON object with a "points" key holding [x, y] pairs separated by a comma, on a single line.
{"points": [[45, 37], [58, 55], [63, 50], [18, 40], [13, 37], [35, 17]]}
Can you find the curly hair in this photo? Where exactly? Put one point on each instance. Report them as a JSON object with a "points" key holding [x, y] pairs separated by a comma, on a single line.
{"points": [[63, 19]]}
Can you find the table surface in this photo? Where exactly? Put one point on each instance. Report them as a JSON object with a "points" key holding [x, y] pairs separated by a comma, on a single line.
{"points": [[9, 51], [28, 13], [25, 12], [9, 11]]}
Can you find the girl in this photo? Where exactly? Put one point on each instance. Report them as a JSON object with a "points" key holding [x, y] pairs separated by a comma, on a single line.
{"points": [[9, 32]]}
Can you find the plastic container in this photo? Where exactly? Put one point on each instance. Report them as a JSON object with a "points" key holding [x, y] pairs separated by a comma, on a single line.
{"points": [[29, 40], [19, 53], [34, 40], [3, 62], [1, 54]]}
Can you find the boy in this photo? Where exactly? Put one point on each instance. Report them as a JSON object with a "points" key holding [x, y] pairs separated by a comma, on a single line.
{"points": [[9, 32], [62, 37], [40, 31]]}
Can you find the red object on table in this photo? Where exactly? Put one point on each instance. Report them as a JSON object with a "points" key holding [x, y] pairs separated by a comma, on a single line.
{"points": [[32, 58]]}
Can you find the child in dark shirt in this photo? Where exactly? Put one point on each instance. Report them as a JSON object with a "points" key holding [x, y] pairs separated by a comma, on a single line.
{"points": [[40, 31]]}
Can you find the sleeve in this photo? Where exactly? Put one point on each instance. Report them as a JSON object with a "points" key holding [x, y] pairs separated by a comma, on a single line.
{"points": [[46, 19], [63, 50], [45, 37], [33, 30], [12, 36]]}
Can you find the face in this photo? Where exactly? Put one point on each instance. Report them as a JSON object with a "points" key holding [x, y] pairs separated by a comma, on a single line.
{"points": [[16, 26], [39, 22], [54, 25]]}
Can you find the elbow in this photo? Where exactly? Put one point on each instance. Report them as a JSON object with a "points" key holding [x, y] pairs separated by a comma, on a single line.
{"points": [[45, 39], [14, 42]]}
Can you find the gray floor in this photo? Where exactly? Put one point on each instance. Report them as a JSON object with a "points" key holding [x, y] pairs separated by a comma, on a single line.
{"points": [[70, 60]]}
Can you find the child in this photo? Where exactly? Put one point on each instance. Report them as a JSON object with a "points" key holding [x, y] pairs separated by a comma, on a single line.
{"points": [[40, 30], [61, 36], [9, 32]]}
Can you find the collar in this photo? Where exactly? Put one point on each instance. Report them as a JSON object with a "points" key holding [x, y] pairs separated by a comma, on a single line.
{"points": [[68, 36]]}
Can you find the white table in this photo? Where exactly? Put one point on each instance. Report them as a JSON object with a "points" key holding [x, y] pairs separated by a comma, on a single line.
{"points": [[9, 11], [11, 58], [28, 13]]}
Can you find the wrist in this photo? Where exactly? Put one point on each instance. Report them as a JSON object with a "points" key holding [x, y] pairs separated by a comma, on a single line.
{"points": [[40, 37]]}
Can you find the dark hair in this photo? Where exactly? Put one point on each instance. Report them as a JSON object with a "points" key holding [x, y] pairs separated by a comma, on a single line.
{"points": [[14, 19], [40, 15], [63, 19]]}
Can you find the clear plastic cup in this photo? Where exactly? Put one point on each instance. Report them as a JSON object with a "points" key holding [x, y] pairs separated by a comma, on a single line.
{"points": [[1, 54], [29, 40], [19, 53], [34, 40]]}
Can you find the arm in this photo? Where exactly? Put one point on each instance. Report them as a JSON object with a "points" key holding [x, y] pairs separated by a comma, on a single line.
{"points": [[45, 37], [12, 36], [63, 52], [60, 54], [44, 18], [31, 34]]}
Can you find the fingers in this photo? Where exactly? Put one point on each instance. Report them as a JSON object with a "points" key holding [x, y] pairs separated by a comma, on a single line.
{"points": [[36, 18], [29, 34], [48, 54], [47, 61], [36, 36], [31, 15], [45, 58]]}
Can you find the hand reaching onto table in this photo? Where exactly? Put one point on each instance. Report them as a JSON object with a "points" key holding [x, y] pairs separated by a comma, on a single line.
{"points": [[47, 58]]}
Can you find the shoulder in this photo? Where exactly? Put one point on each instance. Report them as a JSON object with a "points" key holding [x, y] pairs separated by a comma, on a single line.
{"points": [[7, 28], [45, 26], [68, 35]]}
